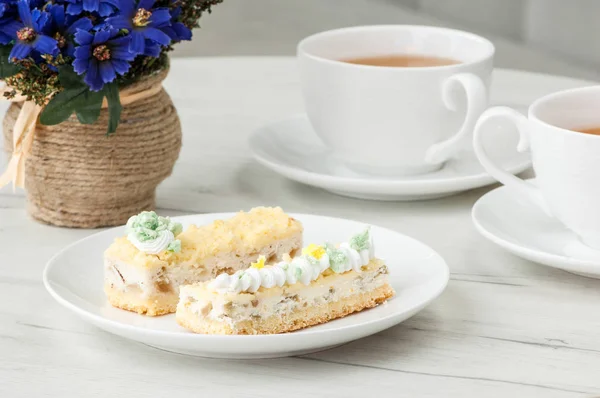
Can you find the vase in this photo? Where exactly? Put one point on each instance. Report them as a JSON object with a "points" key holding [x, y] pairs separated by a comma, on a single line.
{"points": [[78, 176]]}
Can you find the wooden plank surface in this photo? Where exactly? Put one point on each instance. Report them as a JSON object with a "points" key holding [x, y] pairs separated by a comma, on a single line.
{"points": [[504, 326]]}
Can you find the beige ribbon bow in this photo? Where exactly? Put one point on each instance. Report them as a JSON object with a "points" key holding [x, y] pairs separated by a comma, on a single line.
{"points": [[24, 131]]}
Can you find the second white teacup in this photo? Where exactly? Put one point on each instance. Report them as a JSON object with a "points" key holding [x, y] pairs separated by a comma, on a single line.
{"points": [[563, 133], [391, 120]]}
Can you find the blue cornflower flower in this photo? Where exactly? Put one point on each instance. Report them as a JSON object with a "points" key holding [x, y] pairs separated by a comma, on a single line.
{"points": [[64, 27], [177, 31], [36, 4], [8, 21], [103, 7], [101, 56], [29, 34], [144, 24], [151, 49]]}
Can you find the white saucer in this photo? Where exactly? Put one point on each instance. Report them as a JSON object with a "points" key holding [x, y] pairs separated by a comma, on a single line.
{"points": [[522, 228], [74, 278], [291, 148]]}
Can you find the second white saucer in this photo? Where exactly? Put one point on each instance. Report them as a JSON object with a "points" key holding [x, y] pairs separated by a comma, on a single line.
{"points": [[522, 228], [291, 148]]}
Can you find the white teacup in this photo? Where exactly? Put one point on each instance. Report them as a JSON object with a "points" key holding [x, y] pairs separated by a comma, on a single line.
{"points": [[566, 162], [394, 120]]}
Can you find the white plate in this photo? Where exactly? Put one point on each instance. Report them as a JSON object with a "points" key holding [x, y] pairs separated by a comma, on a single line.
{"points": [[291, 148], [74, 278], [522, 228]]}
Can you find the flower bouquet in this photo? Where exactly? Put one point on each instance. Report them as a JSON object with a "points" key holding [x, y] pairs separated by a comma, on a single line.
{"points": [[77, 72]]}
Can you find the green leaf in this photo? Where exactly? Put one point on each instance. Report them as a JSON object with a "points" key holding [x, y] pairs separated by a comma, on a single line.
{"points": [[62, 106], [69, 79], [111, 91], [77, 98], [7, 68], [88, 110]]}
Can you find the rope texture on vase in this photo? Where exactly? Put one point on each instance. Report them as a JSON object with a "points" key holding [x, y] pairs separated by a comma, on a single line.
{"points": [[76, 176]]}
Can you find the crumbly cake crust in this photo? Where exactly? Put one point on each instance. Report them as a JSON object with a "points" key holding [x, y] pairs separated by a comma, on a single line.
{"points": [[243, 233], [295, 320], [159, 304]]}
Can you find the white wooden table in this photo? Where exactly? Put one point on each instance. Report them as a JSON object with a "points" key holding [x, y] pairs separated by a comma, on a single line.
{"points": [[504, 327]]}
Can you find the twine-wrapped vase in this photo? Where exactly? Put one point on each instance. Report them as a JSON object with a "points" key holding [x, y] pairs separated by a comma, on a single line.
{"points": [[77, 176]]}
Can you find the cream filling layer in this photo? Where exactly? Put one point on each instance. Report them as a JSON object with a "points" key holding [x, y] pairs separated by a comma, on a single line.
{"points": [[150, 281], [122, 276]]}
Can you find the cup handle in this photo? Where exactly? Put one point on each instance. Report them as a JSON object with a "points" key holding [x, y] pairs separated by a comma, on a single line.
{"points": [[476, 103], [520, 186]]}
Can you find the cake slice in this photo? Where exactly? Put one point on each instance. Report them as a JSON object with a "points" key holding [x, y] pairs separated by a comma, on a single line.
{"points": [[322, 284], [143, 270]]}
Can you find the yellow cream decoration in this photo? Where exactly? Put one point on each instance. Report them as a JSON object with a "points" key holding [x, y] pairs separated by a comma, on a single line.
{"points": [[260, 263], [314, 250]]}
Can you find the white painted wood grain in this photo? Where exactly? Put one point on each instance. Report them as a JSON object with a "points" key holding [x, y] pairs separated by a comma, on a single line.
{"points": [[504, 327]]}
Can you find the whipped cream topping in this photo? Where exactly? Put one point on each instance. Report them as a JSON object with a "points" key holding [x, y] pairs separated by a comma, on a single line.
{"points": [[315, 259], [152, 246], [152, 234]]}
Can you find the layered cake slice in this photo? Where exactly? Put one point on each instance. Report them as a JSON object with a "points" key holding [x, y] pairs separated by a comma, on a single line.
{"points": [[143, 270], [324, 283]]}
